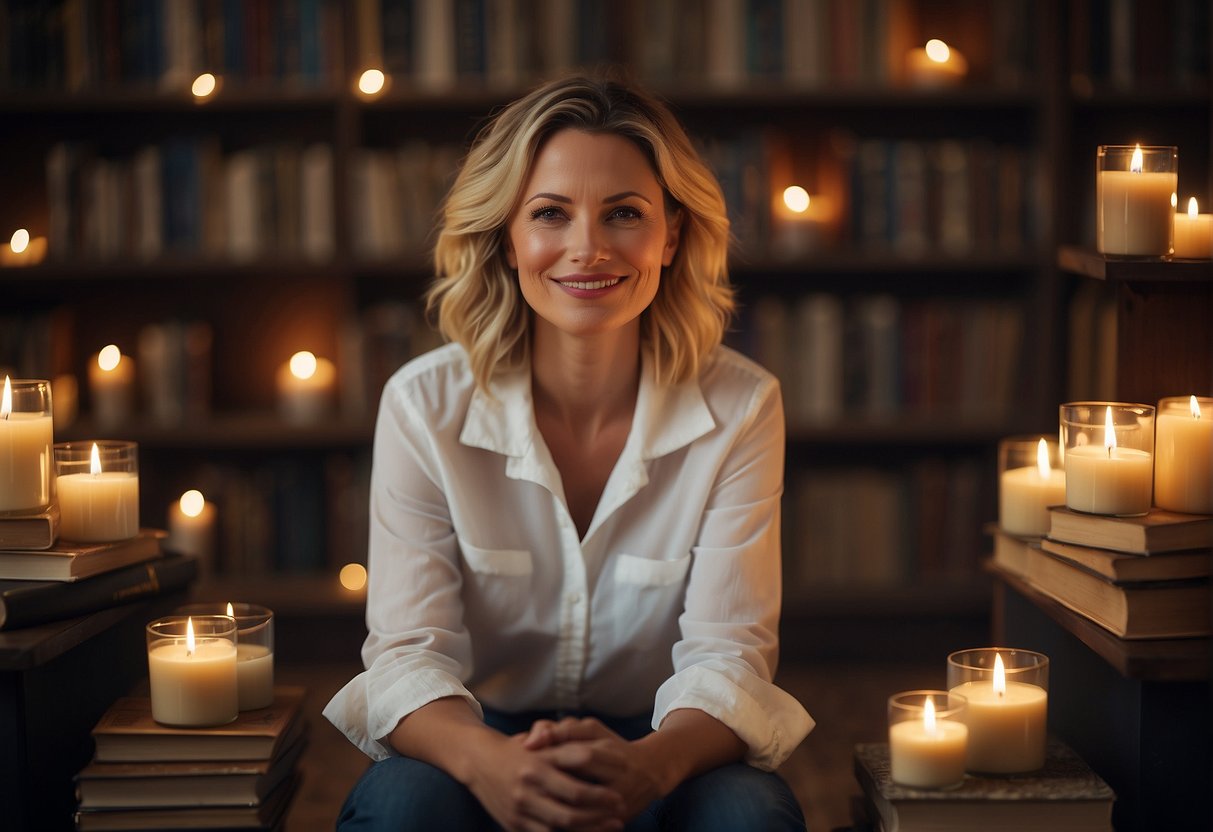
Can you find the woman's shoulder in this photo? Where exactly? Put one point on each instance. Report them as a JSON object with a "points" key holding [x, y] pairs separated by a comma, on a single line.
{"points": [[730, 372], [436, 377]]}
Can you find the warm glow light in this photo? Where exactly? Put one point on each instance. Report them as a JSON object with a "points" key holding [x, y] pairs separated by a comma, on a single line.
{"points": [[1174, 200], [6, 401], [20, 241], [938, 51], [1042, 459], [1193, 405], [352, 576], [796, 198], [928, 716], [1192, 210], [1000, 675], [371, 82], [303, 365], [230, 612], [1109, 431], [1137, 162], [189, 636], [192, 502], [109, 357], [203, 85], [94, 461]]}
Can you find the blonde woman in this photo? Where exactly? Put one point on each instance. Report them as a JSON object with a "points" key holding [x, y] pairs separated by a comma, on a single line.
{"points": [[574, 561]]}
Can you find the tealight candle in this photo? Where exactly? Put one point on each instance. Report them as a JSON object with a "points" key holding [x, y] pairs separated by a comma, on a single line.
{"points": [[111, 385], [927, 742], [191, 663], [305, 388], [98, 485], [1193, 233], [1134, 209], [1030, 480], [1006, 707], [254, 649], [935, 65], [26, 438], [1108, 457], [1183, 455]]}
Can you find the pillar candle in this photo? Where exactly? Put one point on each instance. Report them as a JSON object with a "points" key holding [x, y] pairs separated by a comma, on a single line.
{"points": [[26, 440], [191, 530], [935, 65], [928, 753], [305, 388], [1193, 233], [1108, 480], [1135, 212], [1183, 455], [195, 688], [1007, 730], [111, 385], [1025, 494]]}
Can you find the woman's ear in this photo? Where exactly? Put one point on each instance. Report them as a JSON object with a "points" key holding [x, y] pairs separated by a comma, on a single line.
{"points": [[673, 235], [510, 256]]}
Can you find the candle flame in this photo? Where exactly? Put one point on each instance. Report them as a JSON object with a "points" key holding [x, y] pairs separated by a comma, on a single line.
{"points": [[109, 357], [1109, 431], [1042, 459], [6, 402], [192, 502], [1193, 405], [928, 715], [19, 242], [1000, 675], [938, 51], [303, 365], [189, 636], [1137, 162], [94, 460], [230, 612], [796, 198], [1193, 211]]}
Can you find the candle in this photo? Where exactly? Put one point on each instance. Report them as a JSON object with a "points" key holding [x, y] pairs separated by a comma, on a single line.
{"points": [[305, 388], [26, 439], [111, 380], [797, 220], [191, 530], [98, 505], [255, 672], [1107, 478], [23, 250], [1135, 214], [927, 750], [1193, 233], [1183, 455], [1026, 492], [254, 648], [1006, 719], [193, 679], [935, 65]]}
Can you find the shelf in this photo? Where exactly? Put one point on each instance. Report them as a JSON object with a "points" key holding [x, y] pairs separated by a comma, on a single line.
{"points": [[241, 432], [112, 101], [940, 428], [186, 267], [1087, 263]]}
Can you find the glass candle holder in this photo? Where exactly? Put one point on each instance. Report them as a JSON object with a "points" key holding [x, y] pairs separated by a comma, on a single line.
{"points": [[98, 490], [1134, 186], [928, 739], [1006, 696], [1109, 457], [254, 649], [26, 439], [1183, 454], [1030, 479], [191, 665]]}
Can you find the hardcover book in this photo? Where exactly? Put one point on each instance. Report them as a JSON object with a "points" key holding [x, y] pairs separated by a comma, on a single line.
{"points": [[1157, 531], [38, 530], [1119, 566], [71, 561], [266, 815]]}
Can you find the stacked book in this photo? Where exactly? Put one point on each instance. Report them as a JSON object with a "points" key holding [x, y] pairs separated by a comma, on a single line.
{"points": [[1141, 577], [145, 775], [44, 578]]}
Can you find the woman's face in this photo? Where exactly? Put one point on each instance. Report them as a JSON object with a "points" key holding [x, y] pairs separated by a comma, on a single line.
{"points": [[590, 234]]}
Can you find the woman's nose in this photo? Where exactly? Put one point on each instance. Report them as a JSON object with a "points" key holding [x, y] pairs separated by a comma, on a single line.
{"points": [[588, 244]]}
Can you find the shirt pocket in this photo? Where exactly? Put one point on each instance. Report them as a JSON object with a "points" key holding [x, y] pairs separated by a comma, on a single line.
{"points": [[649, 596], [496, 587], [630, 569]]}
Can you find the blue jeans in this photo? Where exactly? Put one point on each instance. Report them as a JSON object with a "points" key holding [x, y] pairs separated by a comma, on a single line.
{"points": [[401, 794]]}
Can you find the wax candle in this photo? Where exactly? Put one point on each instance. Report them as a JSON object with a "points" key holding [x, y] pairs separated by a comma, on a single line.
{"points": [[1135, 214], [23, 250], [97, 505], [1193, 233], [1007, 721], [797, 221], [305, 388], [1107, 478], [1183, 455], [935, 65], [193, 678], [254, 648], [111, 384], [929, 751], [26, 439], [191, 530], [1026, 492], [255, 676]]}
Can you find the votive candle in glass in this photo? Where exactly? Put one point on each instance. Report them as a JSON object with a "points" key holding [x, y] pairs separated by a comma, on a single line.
{"points": [[191, 664], [1109, 456], [254, 648], [1006, 707], [1134, 187], [98, 490], [1030, 479], [26, 440], [928, 739], [1183, 454]]}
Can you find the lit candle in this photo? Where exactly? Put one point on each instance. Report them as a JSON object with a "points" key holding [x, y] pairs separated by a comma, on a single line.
{"points": [[936, 65], [192, 680], [928, 753], [1193, 233], [305, 388], [100, 505], [1135, 214], [23, 250], [254, 655], [26, 438], [1007, 723], [1183, 455], [798, 221], [111, 382], [1025, 494], [191, 529], [1108, 479]]}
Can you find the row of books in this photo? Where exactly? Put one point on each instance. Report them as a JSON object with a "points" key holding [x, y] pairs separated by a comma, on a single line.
{"points": [[1124, 43], [878, 357], [75, 46], [883, 527], [395, 194], [1141, 577]]}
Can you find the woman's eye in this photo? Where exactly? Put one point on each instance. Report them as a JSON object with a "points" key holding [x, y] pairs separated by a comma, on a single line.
{"points": [[626, 212], [547, 214]]}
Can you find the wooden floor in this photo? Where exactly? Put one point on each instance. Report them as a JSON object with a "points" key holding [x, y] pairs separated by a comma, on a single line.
{"points": [[847, 700]]}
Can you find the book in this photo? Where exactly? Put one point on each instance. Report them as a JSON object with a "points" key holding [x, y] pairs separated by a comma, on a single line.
{"points": [[71, 561], [1118, 566], [36, 530], [24, 603], [1064, 796], [1011, 550], [266, 815], [197, 783], [1158, 531], [1129, 609], [126, 732]]}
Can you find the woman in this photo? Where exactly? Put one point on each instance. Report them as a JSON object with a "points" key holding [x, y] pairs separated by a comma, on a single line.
{"points": [[575, 504]]}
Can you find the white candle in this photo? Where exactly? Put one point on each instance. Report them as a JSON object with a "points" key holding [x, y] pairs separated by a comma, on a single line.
{"points": [[796, 219], [928, 753], [305, 388], [100, 505], [193, 681], [935, 65], [1193, 233], [1109, 479], [25, 456], [255, 673], [191, 529], [1135, 212], [1007, 723], [111, 384], [1025, 494], [1183, 456]]}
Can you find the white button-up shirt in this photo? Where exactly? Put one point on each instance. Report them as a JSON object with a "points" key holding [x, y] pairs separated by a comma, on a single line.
{"points": [[480, 587]]}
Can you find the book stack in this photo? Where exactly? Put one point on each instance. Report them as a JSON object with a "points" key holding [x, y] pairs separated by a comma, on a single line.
{"points": [[1064, 796], [1141, 577], [145, 775]]}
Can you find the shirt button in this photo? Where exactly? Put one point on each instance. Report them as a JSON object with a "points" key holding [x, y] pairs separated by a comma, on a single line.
{"points": [[573, 597]]}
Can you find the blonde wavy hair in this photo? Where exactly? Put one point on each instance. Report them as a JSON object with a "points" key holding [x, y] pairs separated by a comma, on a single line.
{"points": [[475, 295]]}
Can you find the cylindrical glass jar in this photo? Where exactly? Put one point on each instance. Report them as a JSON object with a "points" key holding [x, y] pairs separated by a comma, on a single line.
{"points": [[1134, 200], [1109, 457]]}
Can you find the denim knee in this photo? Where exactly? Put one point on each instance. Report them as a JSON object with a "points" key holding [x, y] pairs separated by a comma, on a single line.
{"points": [[736, 798], [401, 794]]}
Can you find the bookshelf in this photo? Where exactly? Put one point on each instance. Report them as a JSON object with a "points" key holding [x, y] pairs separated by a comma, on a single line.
{"points": [[821, 100]]}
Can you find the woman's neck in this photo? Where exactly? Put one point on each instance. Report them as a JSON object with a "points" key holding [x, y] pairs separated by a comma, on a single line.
{"points": [[585, 383]]}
